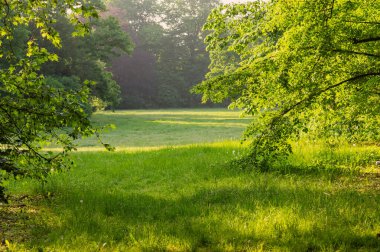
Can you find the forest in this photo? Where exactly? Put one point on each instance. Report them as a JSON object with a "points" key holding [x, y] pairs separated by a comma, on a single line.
{"points": [[189, 125]]}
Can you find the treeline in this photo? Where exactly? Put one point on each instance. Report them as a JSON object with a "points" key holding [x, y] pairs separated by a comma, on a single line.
{"points": [[138, 53], [169, 56]]}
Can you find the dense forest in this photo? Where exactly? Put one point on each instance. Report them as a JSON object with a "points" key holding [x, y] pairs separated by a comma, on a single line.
{"points": [[139, 54], [169, 56]]}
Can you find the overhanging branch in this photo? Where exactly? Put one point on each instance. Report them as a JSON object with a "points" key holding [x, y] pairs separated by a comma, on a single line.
{"points": [[362, 22], [311, 96], [360, 41], [356, 53]]}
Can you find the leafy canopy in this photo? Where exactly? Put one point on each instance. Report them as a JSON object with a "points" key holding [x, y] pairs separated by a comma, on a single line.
{"points": [[297, 66], [32, 112]]}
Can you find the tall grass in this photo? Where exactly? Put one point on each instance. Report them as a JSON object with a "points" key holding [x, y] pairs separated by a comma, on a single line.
{"points": [[190, 198]]}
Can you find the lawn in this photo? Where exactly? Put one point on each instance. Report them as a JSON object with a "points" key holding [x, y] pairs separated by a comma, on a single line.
{"points": [[155, 128], [169, 186]]}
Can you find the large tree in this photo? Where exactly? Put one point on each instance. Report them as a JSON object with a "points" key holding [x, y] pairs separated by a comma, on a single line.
{"points": [[33, 112], [297, 66]]}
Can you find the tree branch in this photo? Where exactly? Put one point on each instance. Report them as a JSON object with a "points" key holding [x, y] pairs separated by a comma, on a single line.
{"points": [[362, 22], [359, 41], [311, 96], [331, 12], [357, 53], [342, 51]]}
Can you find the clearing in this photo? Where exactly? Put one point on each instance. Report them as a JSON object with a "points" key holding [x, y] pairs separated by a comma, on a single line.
{"points": [[169, 186]]}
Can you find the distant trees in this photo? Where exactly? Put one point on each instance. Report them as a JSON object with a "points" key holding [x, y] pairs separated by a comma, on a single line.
{"points": [[169, 45], [298, 67], [88, 58]]}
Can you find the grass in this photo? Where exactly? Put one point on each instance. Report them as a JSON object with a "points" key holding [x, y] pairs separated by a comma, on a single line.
{"points": [[186, 196], [152, 128]]}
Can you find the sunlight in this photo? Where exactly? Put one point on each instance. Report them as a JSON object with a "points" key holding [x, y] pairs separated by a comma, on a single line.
{"points": [[222, 124]]}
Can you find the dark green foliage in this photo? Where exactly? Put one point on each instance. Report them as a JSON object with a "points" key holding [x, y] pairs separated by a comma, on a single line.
{"points": [[86, 58], [63, 82]]}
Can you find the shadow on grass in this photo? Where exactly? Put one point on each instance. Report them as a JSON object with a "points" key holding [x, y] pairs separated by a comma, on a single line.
{"points": [[214, 209], [15, 220], [285, 167], [220, 217]]}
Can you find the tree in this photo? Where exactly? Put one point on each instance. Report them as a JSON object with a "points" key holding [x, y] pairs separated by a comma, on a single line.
{"points": [[297, 66], [88, 57], [183, 59], [169, 33], [33, 113]]}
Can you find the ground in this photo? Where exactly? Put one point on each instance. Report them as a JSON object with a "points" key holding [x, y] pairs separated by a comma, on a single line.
{"points": [[171, 186]]}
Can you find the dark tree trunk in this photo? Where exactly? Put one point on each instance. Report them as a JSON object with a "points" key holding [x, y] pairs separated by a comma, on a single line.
{"points": [[3, 197]]}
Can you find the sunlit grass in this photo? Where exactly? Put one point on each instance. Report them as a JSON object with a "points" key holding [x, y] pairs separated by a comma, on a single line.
{"points": [[168, 127], [123, 149], [205, 124], [187, 197], [347, 157]]}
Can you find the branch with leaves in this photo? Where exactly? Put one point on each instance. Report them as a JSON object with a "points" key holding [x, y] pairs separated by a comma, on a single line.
{"points": [[33, 113], [294, 66]]}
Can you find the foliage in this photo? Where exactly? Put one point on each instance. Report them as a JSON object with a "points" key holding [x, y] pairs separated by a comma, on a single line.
{"points": [[87, 57], [34, 112], [298, 67], [170, 32]]}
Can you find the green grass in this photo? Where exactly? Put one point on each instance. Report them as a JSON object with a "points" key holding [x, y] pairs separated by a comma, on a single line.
{"points": [[149, 128], [186, 197]]}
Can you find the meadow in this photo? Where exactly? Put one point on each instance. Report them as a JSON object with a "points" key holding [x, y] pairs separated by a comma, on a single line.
{"points": [[170, 186]]}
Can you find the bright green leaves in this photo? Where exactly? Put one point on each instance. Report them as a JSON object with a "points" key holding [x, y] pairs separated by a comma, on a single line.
{"points": [[298, 66], [33, 113]]}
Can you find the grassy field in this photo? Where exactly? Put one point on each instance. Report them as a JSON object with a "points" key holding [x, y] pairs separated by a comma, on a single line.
{"points": [[169, 187], [154, 128]]}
